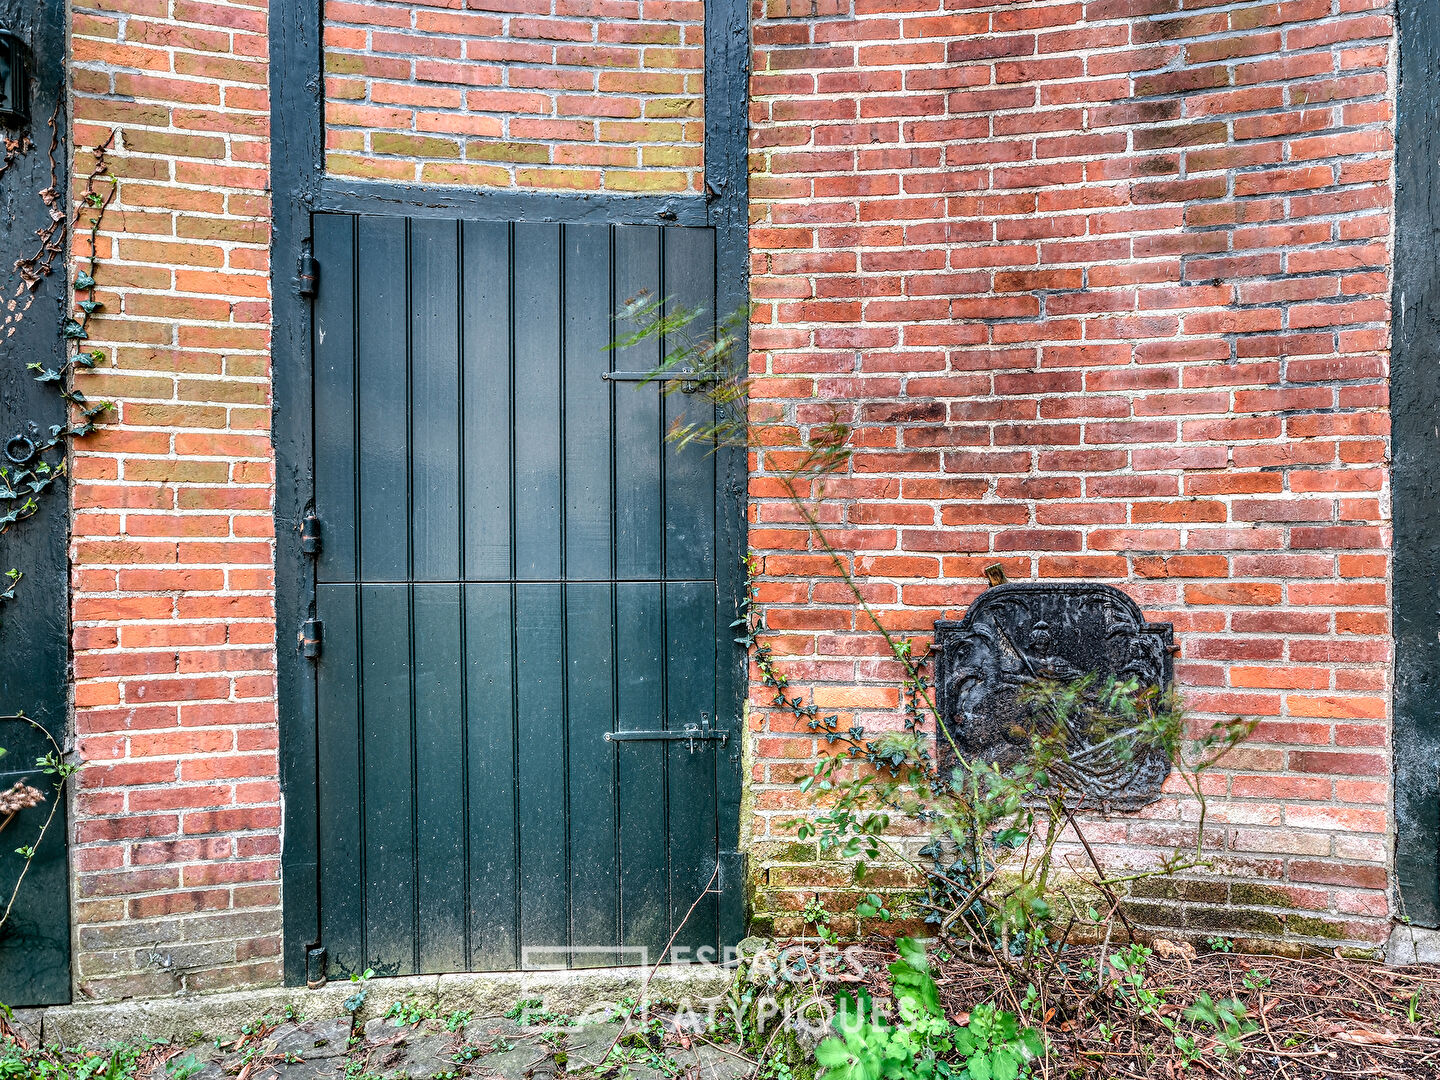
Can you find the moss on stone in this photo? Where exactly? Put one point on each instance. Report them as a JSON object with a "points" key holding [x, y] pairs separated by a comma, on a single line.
{"points": [[1244, 892], [1167, 888], [1308, 926], [1230, 920]]}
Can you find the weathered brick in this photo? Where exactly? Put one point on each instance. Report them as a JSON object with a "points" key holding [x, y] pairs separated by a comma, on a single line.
{"points": [[512, 88], [1215, 481], [149, 456]]}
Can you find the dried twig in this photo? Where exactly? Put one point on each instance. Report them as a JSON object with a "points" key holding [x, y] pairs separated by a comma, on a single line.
{"points": [[645, 986]]}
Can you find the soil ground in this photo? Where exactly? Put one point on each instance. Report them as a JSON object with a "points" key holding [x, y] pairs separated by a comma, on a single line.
{"points": [[1315, 1018]]}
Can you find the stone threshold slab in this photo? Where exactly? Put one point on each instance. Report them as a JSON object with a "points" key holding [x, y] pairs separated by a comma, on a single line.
{"points": [[210, 1016]]}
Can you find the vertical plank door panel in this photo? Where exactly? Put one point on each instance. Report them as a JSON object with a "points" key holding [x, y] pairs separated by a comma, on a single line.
{"points": [[435, 433], [493, 793], [539, 622], [590, 675], [689, 483], [637, 438], [336, 419], [537, 422], [640, 662], [382, 388], [488, 457], [690, 686], [588, 437], [440, 790], [341, 816], [388, 778]]}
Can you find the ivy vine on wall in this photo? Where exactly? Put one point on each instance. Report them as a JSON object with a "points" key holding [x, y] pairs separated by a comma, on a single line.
{"points": [[35, 459]]}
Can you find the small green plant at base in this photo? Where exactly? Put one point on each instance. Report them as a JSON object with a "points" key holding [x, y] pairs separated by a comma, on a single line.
{"points": [[632, 1053], [1129, 980], [990, 1046], [994, 1047], [624, 1008], [1030, 999], [407, 1012], [1254, 980], [361, 981], [816, 914], [115, 1062], [522, 1008], [1227, 1017], [355, 1070], [183, 1068], [532, 1012], [1219, 944], [872, 907], [1189, 1050]]}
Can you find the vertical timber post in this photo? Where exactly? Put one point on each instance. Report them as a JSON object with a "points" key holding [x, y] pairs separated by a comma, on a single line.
{"points": [[35, 626], [1415, 418], [727, 105], [296, 166]]}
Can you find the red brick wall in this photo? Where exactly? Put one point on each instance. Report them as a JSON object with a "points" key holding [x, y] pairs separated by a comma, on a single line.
{"points": [[578, 94], [1103, 287], [175, 841]]}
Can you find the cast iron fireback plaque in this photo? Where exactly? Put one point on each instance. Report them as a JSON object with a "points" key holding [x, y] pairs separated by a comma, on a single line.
{"points": [[1016, 634]]}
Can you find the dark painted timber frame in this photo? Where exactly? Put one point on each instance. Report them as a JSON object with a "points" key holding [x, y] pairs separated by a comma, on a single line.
{"points": [[35, 626], [300, 188], [1415, 407]]}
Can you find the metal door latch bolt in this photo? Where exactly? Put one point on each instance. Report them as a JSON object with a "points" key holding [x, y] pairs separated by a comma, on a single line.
{"points": [[692, 735]]}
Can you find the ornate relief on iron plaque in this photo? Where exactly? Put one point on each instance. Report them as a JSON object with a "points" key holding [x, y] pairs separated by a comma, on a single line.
{"points": [[1015, 634]]}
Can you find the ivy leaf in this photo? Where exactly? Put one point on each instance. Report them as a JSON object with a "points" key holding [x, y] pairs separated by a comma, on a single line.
{"points": [[73, 331], [90, 306], [84, 281]]}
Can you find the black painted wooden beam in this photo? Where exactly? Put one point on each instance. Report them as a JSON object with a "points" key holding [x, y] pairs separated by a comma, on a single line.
{"points": [[35, 626], [727, 135], [345, 195], [1415, 413], [297, 164]]}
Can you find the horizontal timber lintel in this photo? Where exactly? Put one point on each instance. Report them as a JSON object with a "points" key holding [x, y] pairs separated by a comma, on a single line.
{"points": [[341, 195]]}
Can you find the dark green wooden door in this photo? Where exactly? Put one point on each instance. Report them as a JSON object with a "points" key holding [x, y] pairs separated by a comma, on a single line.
{"points": [[513, 563]]}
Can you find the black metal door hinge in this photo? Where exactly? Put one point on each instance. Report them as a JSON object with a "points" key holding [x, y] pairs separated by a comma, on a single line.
{"points": [[310, 533], [315, 967], [307, 277], [310, 632]]}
